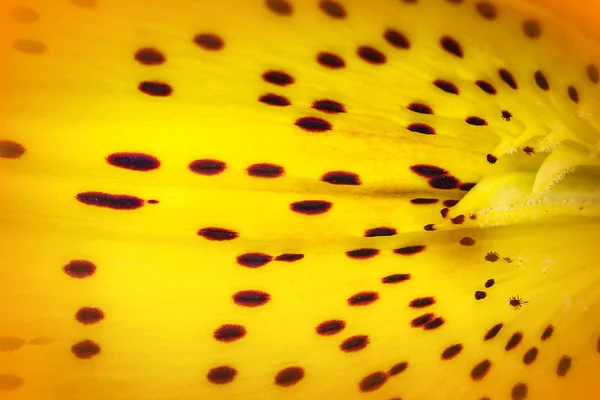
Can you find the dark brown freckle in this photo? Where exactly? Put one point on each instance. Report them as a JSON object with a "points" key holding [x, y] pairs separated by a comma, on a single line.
{"points": [[541, 81], [530, 151], [421, 128], [354, 343], [446, 86], [427, 171], [434, 324], [459, 219], [254, 260], [362, 254], [331, 60], [329, 106], [264, 170], [573, 94], [209, 41], [341, 178], [251, 298], [207, 167], [480, 370], [467, 241], [429, 227], [10, 149], [398, 368], [372, 382], [420, 108], [80, 269], [451, 46], [313, 124], [492, 256], [281, 7], [408, 250], [217, 234], [473, 216], [444, 212], [149, 56], [486, 87], [480, 295], [547, 334], [85, 349], [422, 320], [491, 159], [519, 392], [530, 355], [363, 298], [532, 28], [329, 328], [288, 257], [278, 78], [113, 201], [592, 73], [514, 341], [89, 315], [274, 100], [508, 78], [452, 351], [477, 121], [422, 302], [563, 366], [487, 10], [494, 330], [465, 187], [229, 333], [333, 9], [489, 283], [395, 278], [381, 231], [424, 201], [221, 375], [311, 207], [450, 203], [133, 161], [396, 39], [506, 115], [444, 182], [289, 376], [371, 55], [159, 89]]}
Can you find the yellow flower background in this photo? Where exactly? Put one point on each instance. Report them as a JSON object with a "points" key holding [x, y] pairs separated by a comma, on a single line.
{"points": [[299, 199]]}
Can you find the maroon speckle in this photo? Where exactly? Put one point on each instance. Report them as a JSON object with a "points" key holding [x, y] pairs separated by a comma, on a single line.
{"points": [[371, 55], [278, 78], [80, 269], [424, 201], [289, 376], [381, 231], [372, 382], [564, 365], [530, 355], [89, 315], [207, 167], [408, 250], [458, 220], [331, 60], [158, 89], [532, 28], [329, 106], [133, 161], [333, 9], [493, 331], [592, 73], [480, 295], [217, 234], [422, 302], [427, 171], [444, 212], [354, 343], [396, 39], [264, 170], [547, 333], [313, 124], [541, 80], [422, 320], [329, 328], [519, 392], [274, 100], [452, 351], [363, 298], [444, 182], [362, 254], [419, 127], [395, 278], [491, 159], [149, 56], [451, 46], [10, 149], [434, 324], [476, 121], [480, 370], [229, 333], [420, 108], [508, 78], [398, 368], [486, 87], [221, 375], [446, 86], [289, 257], [311, 207], [85, 349], [450, 203], [341, 178], [489, 283], [486, 9], [514, 341], [573, 94], [467, 241], [113, 201], [251, 298], [152, 201], [254, 260], [429, 227], [465, 187], [209, 41]]}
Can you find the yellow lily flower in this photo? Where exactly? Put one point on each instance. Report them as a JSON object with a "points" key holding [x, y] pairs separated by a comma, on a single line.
{"points": [[299, 199]]}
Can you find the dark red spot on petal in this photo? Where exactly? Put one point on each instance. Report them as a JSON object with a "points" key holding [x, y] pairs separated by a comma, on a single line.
{"points": [[251, 298], [134, 161], [395, 278], [427, 171], [487, 10], [480, 370], [446, 86], [329, 106], [278, 78], [158, 89], [149, 56], [450, 203], [341, 178], [10, 149], [311, 207], [424, 201], [477, 121], [331, 60], [564, 365], [422, 320], [429, 227], [465, 187], [444, 212], [532, 28], [313, 124], [221, 375], [265, 170], [354, 343], [489, 283], [274, 100], [209, 41], [409, 250], [480, 295], [218, 234], [486, 87], [289, 376], [508, 78], [467, 241], [363, 298], [362, 254], [371, 55], [207, 167], [113, 201], [420, 108], [452, 351], [491, 159], [541, 81], [592, 73], [547, 333], [89, 315], [573, 94], [329, 328], [80, 269], [254, 260], [85, 349], [398, 368], [396, 39], [444, 182], [530, 355], [372, 382], [514, 341], [459, 219], [381, 231], [451, 46], [333, 9], [422, 302], [419, 127], [519, 392], [289, 257], [493, 331], [434, 324], [229, 333]]}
